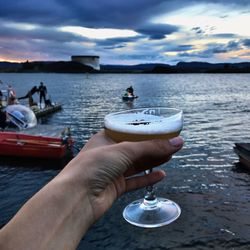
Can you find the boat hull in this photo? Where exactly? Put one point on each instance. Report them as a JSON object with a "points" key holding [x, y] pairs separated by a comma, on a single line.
{"points": [[47, 110], [243, 151], [23, 145], [129, 98]]}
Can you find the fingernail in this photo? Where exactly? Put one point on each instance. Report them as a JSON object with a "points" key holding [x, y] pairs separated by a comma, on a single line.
{"points": [[176, 141]]}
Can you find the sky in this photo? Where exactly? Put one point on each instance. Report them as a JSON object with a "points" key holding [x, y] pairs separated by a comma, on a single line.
{"points": [[125, 31]]}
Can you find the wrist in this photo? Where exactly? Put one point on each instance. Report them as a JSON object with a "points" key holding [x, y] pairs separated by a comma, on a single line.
{"points": [[74, 196], [72, 190]]}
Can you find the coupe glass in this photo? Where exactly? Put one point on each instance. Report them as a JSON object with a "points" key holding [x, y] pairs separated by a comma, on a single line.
{"points": [[147, 124]]}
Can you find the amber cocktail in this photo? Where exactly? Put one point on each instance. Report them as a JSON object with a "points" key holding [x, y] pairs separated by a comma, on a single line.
{"points": [[147, 124]]}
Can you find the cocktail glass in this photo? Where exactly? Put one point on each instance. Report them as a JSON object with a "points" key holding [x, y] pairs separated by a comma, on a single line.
{"points": [[147, 124]]}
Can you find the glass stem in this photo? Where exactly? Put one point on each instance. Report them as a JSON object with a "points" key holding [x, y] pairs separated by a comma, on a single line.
{"points": [[150, 194]]}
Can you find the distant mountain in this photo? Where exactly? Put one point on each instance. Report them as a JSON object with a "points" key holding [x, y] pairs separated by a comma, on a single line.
{"points": [[45, 66], [139, 68], [156, 68], [204, 67], [57, 67], [181, 67], [9, 66]]}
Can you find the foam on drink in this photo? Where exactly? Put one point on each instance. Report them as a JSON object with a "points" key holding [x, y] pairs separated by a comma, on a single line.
{"points": [[142, 126]]}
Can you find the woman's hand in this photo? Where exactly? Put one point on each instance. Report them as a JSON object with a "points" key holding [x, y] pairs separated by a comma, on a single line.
{"points": [[112, 167]]}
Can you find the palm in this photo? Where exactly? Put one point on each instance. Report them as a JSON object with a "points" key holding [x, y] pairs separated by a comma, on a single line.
{"points": [[108, 178], [105, 193]]}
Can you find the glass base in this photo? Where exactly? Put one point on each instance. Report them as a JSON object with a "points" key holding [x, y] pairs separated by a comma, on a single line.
{"points": [[151, 213]]}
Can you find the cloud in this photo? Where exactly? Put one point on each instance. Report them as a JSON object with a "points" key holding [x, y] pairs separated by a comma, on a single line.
{"points": [[46, 40], [157, 31], [42, 33], [36, 50], [247, 54], [246, 42], [113, 44], [173, 47], [40, 43], [213, 49], [224, 35], [185, 47], [223, 16], [198, 30], [233, 45], [200, 54], [121, 41], [96, 13], [223, 48]]}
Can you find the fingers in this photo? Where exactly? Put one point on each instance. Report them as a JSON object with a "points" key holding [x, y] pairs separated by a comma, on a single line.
{"points": [[114, 160], [145, 180], [148, 154], [135, 170]]}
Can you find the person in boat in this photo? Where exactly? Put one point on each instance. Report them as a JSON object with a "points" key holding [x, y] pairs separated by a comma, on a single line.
{"points": [[130, 91], [60, 214], [29, 95], [31, 92], [43, 91], [11, 95]]}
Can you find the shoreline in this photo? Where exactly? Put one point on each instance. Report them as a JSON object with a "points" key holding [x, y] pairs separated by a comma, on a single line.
{"points": [[148, 68]]}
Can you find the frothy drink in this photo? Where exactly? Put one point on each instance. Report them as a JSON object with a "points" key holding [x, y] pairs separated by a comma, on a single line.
{"points": [[142, 125]]}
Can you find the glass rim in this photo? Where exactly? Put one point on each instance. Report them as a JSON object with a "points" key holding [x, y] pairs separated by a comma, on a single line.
{"points": [[142, 108], [175, 116]]}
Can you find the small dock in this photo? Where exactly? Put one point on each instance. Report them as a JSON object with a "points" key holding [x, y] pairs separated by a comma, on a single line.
{"points": [[47, 110]]}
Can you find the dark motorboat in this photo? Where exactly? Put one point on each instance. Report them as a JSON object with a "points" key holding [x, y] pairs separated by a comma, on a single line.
{"points": [[243, 151]]}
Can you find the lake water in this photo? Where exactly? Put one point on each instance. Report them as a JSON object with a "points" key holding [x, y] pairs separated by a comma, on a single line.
{"points": [[203, 178]]}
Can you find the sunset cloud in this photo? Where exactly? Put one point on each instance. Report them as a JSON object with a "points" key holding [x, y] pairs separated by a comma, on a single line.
{"points": [[132, 31]]}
